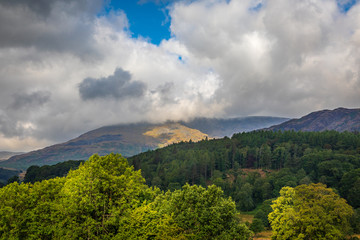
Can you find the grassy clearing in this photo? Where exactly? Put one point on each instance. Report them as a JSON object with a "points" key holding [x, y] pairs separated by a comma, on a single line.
{"points": [[249, 217], [246, 218], [263, 235]]}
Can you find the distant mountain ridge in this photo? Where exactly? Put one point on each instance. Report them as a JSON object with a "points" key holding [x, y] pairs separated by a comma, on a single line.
{"points": [[131, 139], [5, 155], [339, 119]]}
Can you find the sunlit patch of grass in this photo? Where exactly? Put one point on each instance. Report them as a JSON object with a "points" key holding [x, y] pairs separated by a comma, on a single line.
{"points": [[265, 235], [246, 218]]}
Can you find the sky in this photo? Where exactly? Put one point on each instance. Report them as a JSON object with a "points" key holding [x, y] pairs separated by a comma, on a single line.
{"points": [[67, 67]]}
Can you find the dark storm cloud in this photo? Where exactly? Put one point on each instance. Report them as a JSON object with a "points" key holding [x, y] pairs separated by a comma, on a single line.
{"points": [[44, 7], [118, 86], [29, 100], [55, 25]]}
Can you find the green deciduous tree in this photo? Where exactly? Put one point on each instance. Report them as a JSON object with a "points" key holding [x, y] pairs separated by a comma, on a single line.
{"points": [[29, 211], [106, 199], [310, 212], [98, 195], [147, 222], [203, 213]]}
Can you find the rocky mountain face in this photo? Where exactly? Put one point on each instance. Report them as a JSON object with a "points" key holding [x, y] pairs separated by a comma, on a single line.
{"points": [[339, 119], [131, 139]]}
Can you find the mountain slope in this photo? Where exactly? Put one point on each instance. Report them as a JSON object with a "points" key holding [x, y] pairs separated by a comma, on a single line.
{"points": [[4, 155], [131, 139], [340, 119], [127, 139]]}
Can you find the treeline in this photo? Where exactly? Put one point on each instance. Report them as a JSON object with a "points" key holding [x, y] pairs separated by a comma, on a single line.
{"points": [[6, 175], [106, 199], [35, 173], [253, 167], [288, 158], [199, 162], [277, 159]]}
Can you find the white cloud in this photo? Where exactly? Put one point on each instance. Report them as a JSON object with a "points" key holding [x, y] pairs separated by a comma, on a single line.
{"points": [[282, 59], [225, 58]]}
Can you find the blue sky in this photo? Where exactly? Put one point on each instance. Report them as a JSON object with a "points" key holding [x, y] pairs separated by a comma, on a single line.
{"points": [[148, 20], [151, 19], [346, 5]]}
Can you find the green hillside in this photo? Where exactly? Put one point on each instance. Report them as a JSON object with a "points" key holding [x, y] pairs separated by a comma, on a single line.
{"points": [[252, 167]]}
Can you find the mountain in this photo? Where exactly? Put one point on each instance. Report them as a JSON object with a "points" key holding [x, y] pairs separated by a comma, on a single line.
{"points": [[339, 119], [220, 127], [131, 139], [4, 155]]}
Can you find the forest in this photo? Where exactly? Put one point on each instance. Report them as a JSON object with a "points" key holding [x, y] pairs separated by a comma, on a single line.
{"points": [[252, 171], [105, 198], [6, 175], [252, 167]]}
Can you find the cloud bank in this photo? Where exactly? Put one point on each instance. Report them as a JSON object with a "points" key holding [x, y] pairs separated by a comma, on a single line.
{"points": [[68, 67]]}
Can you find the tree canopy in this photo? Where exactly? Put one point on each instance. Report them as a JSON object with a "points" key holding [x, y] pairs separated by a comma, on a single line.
{"points": [[105, 198], [310, 212]]}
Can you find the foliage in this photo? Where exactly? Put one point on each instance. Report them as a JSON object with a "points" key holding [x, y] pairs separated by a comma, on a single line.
{"points": [[263, 212], [97, 195], [106, 199], [27, 211], [355, 221], [310, 212], [249, 167], [203, 213], [147, 222], [257, 226], [13, 179], [35, 173], [287, 158], [253, 167], [6, 174]]}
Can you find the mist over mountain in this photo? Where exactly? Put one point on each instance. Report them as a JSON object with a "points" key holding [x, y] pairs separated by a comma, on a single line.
{"points": [[4, 155], [131, 139], [221, 127]]}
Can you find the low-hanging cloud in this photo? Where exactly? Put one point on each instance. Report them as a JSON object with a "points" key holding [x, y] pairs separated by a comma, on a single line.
{"points": [[117, 86]]}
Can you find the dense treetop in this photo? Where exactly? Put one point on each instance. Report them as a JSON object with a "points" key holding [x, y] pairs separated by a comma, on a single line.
{"points": [[310, 212], [106, 199], [287, 158]]}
